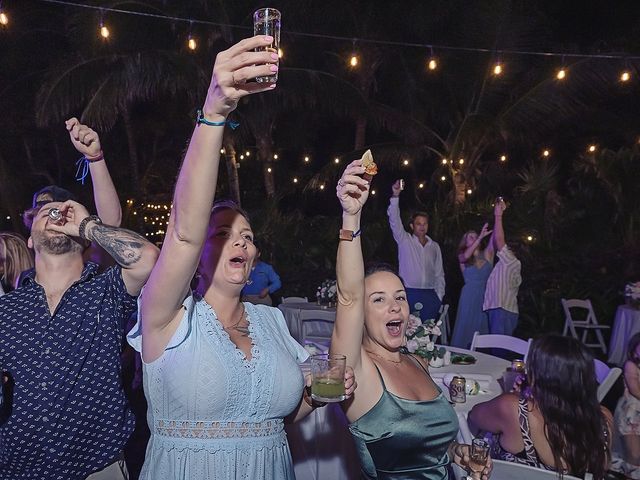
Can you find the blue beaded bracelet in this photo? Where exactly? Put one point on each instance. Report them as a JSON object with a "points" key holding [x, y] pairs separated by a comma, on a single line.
{"points": [[200, 119]]}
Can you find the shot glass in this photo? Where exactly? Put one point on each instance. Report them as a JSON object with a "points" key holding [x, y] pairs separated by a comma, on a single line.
{"points": [[266, 21], [479, 456], [327, 377]]}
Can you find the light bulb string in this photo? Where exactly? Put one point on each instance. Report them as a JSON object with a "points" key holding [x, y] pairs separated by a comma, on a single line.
{"points": [[493, 51]]}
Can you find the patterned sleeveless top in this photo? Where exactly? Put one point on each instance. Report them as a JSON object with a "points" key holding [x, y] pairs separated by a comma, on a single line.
{"points": [[528, 456]]}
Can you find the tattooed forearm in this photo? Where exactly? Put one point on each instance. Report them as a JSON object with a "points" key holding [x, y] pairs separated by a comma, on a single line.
{"points": [[123, 245]]}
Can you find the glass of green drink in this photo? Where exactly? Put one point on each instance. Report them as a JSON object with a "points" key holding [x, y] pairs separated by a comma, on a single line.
{"points": [[327, 377]]}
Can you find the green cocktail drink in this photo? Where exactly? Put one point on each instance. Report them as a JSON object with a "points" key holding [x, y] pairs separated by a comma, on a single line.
{"points": [[327, 390]]}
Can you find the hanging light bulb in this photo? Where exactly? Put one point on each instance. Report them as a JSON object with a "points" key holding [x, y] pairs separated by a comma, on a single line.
{"points": [[503, 158], [191, 43], [591, 149], [546, 153], [561, 74], [104, 30], [275, 156], [269, 170], [469, 191], [405, 162], [373, 192], [306, 159], [625, 76], [443, 178], [421, 185], [322, 187], [497, 68], [461, 161], [4, 19], [433, 61], [295, 180], [444, 161], [354, 60], [336, 160], [247, 153]]}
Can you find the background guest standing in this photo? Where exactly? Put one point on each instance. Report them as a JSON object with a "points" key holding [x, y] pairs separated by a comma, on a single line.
{"points": [[263, 281], [475, 264], [419, 259]]}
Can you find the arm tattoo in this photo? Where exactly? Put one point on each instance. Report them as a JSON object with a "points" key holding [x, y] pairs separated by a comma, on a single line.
{"points": [[123, 245]]}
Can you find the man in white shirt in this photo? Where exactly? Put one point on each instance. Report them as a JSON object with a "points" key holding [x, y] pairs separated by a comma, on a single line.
{"points": [[501, 293], [419, 259]]}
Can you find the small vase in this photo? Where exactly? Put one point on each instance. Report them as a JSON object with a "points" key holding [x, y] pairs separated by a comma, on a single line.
{"points": [[436, 362]]}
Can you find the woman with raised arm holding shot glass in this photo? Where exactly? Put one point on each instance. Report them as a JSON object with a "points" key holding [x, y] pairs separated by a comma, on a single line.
{"points": [[402, 424], [220, 375]]}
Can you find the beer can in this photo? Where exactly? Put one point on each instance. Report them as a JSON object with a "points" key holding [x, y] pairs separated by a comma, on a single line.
{"points": [[518, 366], [457, 390]]}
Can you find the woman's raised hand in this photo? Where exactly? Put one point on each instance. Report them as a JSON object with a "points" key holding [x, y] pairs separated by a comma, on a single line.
{"points": [[485, 231], [352, 190], [232, 69]]}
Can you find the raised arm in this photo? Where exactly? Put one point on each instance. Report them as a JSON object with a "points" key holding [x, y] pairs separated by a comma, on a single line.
{"points": [[464, 256], [393, 212], [352, 191], [87, 142], [195, 191], [498, 230], [131, 251]]}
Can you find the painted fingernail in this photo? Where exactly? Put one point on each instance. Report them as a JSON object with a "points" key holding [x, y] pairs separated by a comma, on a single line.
{"points": [[273, 68], [272, 85], [274, 56], [268, 38]]}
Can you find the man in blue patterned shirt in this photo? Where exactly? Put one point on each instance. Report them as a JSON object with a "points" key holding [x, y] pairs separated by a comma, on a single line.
{"points": [[65, 415]]}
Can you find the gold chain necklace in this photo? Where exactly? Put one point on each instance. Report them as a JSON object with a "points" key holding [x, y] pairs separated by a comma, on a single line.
{"points": [[236, 326], [384, 358]]}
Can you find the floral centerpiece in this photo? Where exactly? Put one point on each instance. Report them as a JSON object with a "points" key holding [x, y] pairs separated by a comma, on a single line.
{"points": [[421, 339], [327, 291], [632, 294]]}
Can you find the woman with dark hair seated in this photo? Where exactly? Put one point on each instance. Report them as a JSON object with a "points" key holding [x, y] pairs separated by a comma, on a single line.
{"points": [[556, 423]]}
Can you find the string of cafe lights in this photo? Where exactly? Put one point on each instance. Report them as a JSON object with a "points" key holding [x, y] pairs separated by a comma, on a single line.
{"points": [[432, 63]]}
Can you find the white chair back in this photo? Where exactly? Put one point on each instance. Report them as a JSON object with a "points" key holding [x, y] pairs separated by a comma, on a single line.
{"points": [[317, 326], [445, 326], [589, 324], [508, 471], [606, 377], [294, 300], [505, 342]]}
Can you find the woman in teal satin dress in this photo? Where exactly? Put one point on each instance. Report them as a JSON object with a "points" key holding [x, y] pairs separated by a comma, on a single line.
{"points": [[402, 423]]}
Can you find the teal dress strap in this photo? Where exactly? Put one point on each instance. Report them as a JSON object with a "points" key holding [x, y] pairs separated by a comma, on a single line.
{"points": [[400, 439]]}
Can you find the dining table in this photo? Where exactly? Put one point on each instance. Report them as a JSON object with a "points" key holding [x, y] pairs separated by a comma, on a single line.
{"points": [[321, 444], [625, 325], [291, 312]]}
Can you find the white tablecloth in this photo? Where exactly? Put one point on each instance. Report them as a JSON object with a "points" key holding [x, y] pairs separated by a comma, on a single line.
{"points": [[291, 312], [625, 325]]}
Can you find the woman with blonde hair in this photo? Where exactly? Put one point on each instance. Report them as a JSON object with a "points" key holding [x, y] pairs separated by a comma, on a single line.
{"points": [[476, 264], [15, 257]]}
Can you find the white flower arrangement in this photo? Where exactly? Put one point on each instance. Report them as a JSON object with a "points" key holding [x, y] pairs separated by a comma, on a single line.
{"points": [[632, 290], [421, 338], [327, 291], [632, 294]]}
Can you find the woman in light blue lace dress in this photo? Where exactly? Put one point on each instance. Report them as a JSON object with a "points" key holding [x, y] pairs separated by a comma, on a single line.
{"points": [[476, 265], [220, 375]]}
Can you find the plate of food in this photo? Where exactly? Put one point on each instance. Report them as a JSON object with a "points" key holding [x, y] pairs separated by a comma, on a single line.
{"points": [[462, 359]]}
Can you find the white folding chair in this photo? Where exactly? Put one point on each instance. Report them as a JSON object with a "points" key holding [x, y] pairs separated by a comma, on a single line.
{"points": [[508, 471], [589, 324], [505, 342], [606, 377], [295, 300], [445, 326], [317, 326]]}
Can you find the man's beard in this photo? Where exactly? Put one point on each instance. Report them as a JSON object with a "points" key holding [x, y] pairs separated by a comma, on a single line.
{"points": [[55, 244]]}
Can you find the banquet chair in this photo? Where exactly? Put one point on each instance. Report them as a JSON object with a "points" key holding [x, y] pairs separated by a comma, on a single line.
{"points": [[508, 471], [606, 377], [588, 324], [445, 326], [504, 342], [295, 300], [317, 326]]}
